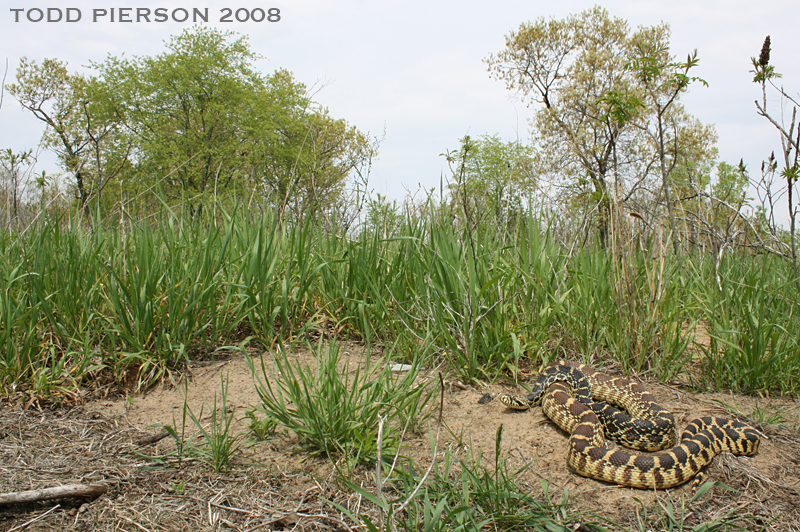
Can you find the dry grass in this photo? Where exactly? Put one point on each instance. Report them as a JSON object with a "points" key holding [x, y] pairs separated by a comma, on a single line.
{"points": [[271, 486], [44, 449]]}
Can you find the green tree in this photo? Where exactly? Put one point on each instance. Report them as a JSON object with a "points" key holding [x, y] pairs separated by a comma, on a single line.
{"points": [[316, 155], [192, 109], [207, 123], [570, 67], [196, 122], [592, 102], [721, 208], [491, 178], [663, 80], [80, 126], [731, 184]]}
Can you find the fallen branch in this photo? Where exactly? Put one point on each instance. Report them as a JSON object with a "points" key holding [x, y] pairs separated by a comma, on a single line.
{"points": [[147, 440], [88, 491]]}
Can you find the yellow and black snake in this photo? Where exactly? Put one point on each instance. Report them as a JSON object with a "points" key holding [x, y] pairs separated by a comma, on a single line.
{"points": [[649, 426], [588, 456]]}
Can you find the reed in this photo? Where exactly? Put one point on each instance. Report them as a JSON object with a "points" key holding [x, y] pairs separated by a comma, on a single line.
{"points": [[136, 301]]}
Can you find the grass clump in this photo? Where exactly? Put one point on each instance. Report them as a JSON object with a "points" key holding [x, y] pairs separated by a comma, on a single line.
{"points": [[129, 303], [680, 516], [214, 442], [493, 496], [465, 495], [336, 410], [750, 314]]}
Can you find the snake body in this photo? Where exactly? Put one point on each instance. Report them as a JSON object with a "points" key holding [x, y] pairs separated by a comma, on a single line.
{"points": [[649, 427], [587, 455]]}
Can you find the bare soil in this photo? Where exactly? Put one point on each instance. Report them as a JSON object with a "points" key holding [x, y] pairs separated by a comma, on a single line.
{"points": [[273, 485]]}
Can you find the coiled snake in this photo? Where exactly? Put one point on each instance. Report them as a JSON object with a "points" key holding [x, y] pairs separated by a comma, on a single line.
{"points": [[585, 419]]}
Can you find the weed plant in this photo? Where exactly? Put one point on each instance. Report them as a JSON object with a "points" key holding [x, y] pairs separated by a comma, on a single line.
{"points": [[263, 426], [672, 516], [335, 408], [216, 443], [465, 495], [135, 301], [750, 315]]}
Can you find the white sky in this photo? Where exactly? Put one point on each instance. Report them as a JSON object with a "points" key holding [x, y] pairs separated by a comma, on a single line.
{"points": [[414, 68]]}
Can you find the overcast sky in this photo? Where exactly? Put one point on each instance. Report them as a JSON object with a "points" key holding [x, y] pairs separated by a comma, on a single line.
{"points": [[414, 68]]}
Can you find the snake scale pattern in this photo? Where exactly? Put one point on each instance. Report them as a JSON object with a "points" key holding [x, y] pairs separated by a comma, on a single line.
{"points": [[649, 427], [586, 419]]}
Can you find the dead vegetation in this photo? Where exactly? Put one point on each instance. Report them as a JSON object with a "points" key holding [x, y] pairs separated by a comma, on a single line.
{"points": [[273, 486]]}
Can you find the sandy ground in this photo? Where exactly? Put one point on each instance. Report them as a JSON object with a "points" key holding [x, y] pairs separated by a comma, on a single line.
{"points": [[276, 487]]}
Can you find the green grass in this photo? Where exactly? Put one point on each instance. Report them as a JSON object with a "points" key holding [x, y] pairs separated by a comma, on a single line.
{"points": [[134, 302], [465, 494], [213, 443], [752, 320], [336, 408], [672, 515]]}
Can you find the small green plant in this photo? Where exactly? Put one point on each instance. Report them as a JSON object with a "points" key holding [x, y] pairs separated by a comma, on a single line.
{"points": [[220, 443], [183, 447], [334, 409], [768, 416], [464, 495], [262, 428], [670, 516], [217, 443], [760, 414], [179, 488], [493, 494]]}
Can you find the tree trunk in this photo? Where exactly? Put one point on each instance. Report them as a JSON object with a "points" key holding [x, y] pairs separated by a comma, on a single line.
{"points": [[665, 182]]}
